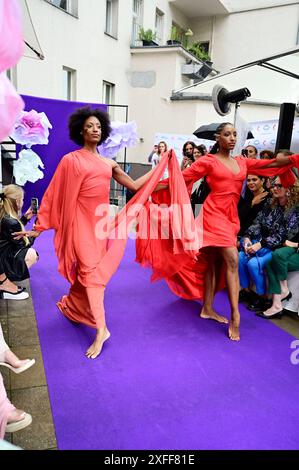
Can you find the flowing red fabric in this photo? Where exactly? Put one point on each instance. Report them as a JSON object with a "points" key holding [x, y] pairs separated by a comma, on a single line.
{"points": [[217, 223], [89, 246]]}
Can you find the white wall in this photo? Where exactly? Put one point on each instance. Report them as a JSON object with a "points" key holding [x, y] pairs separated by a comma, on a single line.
{"points": [[243, 37], [154, 112], [80, 44]]}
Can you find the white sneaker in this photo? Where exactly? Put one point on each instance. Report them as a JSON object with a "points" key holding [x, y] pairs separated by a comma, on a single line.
{"points": [[5, 295]]}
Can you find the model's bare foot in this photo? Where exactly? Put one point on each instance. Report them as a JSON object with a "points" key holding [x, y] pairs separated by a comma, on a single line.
{"points": [[234, 330], [212, 315], [95, 349], [272, 310]]}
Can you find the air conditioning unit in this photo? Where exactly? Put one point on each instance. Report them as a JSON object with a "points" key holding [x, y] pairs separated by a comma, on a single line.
{"points": [[196, 71]]}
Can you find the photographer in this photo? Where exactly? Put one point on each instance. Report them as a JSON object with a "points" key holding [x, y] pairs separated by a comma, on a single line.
{"points": [[16, 256]]}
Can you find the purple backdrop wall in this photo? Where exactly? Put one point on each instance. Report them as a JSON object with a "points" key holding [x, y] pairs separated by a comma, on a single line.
{"points": [[58, 112]]}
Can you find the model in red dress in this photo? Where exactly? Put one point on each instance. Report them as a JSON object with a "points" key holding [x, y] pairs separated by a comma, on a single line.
{"points": [[218, 224]]}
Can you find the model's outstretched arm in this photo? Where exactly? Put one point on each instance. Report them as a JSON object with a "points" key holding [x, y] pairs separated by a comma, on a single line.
{"points": [[282, 161], [125, 180]]}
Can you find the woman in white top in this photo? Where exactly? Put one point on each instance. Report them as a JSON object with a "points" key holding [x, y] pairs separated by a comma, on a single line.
{"points": [[162, 148]]}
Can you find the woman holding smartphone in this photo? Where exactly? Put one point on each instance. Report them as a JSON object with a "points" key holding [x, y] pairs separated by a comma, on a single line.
{"points": [[16, 256]]}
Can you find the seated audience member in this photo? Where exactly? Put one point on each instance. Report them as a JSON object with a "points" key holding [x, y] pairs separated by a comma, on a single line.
{"points": [[252, 151], [16, 254], [252, 203], [285, 259], [265, 235], [266, 154], [11, 419]]}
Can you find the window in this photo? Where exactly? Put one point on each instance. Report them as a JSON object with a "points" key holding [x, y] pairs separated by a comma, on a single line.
{"points": [[70, 6], [69, 84], [111, 17], [137, 20], [205, 46], [109, 96], [180, 33], [108, 92], [159, 26]]}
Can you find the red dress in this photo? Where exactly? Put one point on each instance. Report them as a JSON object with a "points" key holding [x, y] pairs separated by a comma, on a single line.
{"points": [[217, 224]]}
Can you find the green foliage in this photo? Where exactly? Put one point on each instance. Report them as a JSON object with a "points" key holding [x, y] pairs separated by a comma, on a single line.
{"points": [[175, 34], [146, 35], [199, 52]]}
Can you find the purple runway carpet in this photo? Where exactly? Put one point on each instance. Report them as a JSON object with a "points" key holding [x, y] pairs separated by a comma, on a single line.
{"points": [[166, 379]]}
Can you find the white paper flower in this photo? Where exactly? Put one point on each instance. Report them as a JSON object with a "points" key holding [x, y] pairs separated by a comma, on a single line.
{"points": [[26, 168], [123, 134]]}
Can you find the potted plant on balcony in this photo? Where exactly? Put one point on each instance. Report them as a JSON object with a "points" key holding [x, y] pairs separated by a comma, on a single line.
{"points": [[197, 49], [175, 37], [147, 37]]}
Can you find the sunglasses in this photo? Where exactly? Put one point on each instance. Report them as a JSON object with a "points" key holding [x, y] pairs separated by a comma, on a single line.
{"points": [[277, 186]]}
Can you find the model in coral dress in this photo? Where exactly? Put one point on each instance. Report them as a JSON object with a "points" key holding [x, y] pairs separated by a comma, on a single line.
{"points": [[76, 206]]}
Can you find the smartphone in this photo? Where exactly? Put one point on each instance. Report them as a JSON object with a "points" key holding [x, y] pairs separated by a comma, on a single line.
{"points": [[245, 153], [34, 205]]}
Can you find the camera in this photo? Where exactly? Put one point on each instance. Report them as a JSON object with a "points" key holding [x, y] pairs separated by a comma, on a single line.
{"points": [[34, 205], [244, 153]]}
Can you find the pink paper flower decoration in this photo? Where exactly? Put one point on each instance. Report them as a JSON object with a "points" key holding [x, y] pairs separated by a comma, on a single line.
{"points": [[31, 128], [11, 43], [11, 104]]}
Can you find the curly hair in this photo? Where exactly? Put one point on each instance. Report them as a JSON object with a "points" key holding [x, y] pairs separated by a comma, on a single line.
{"points": [[78, 118], [292, 195]]}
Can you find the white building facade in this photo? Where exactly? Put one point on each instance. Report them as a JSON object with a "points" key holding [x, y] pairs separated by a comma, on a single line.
{"points": [[92, 54]]}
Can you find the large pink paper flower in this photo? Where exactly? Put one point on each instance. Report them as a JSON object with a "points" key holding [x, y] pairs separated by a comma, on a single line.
{"points": [[31, 128], [11, 104], [11, 38]]}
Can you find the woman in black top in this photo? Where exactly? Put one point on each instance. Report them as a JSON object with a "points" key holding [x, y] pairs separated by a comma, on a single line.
{"points": [[252, 203], [16, 256]]}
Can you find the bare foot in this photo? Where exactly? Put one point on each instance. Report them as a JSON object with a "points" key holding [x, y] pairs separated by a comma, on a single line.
{"points": [[212, 315], [234, 330], [95, 349]]}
